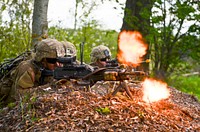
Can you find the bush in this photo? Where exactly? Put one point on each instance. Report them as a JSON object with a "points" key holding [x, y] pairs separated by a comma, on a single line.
{"points": [[189, 84]]}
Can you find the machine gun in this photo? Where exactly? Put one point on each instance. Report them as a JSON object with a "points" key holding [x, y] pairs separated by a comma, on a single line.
{"points": [[87, 77], [71, 69], [112, 74], [112, 63], [117, 72]]}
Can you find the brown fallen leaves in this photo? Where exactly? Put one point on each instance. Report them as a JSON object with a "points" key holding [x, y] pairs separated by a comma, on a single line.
{"points": [[71, 110]]}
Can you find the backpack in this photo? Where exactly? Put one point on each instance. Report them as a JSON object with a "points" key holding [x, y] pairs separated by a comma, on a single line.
{"points": [[5, 72]]}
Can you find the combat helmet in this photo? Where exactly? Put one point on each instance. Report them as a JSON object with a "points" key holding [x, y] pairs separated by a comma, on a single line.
{"points": [[49, 48], [70, 49], [100, 52]]}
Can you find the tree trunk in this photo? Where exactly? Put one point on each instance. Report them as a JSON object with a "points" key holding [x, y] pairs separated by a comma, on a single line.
{"points": [[137, 17], [40, 24]]}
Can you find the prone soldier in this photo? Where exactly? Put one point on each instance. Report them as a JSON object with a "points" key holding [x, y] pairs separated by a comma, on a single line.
{"points": [[28, 74], [99, 56], [113, 76]]}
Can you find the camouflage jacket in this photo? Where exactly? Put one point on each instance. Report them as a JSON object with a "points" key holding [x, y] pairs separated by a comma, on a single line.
{"points": [[24, 79]]}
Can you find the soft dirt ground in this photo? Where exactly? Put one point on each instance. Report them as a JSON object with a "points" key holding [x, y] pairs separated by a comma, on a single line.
{"points": [[68, 109]]}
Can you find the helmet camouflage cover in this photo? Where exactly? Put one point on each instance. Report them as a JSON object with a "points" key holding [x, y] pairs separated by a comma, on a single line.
{"points": [[49, 48], [70, 49], [100, 52]]}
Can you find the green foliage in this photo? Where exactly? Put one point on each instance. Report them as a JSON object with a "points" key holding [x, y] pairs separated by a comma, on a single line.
{"points": [[11, 105], [170, 46], [171, 43], [183, 10], [19, 25], [15, 33], [189, 85], [104, 111]]}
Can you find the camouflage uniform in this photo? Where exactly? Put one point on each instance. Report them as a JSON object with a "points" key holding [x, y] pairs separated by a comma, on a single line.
{"points": [[28, 73], [99, 52], [101, 87], [70, 49], [106, 87]]}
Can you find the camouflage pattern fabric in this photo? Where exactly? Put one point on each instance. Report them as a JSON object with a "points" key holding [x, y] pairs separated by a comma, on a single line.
{"points": [[9, 66], [49, 48], [100, 52], [23, 77], [104, 87], [27, 74], [5, 87], [70, 49]]}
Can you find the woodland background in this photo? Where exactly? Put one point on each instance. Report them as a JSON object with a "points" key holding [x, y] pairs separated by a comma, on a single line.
{"points": [[171, 28]]}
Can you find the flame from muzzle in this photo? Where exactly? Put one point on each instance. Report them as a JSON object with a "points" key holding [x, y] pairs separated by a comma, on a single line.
{"points": [[131, 48], [154, 90]]}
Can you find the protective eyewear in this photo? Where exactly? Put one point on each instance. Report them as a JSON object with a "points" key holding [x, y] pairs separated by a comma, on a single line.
{"points": [[51, 60], [104, 59]]}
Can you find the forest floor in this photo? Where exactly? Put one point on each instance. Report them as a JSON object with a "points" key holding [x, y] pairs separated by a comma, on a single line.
{"points": [[66, 109]]}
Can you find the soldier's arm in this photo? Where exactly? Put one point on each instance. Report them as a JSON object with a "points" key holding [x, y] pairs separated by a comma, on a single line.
{"points": [[26, 80], [25, 76]]}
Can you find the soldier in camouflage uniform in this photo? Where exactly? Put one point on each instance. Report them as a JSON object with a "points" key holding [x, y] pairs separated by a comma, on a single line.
{"points": [[28, 73], [70, 51], [99, 55]]}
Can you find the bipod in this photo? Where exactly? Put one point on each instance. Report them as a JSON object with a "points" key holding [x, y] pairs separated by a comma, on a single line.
{"points": [[123, 84]]}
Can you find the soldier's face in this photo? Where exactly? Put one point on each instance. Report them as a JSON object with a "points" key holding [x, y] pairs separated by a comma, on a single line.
{"points": [[102, 62], [51, 63], [52, 66]]}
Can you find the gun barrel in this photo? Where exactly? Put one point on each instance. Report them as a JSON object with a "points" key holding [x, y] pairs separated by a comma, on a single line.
{"points": [[145, 61]]}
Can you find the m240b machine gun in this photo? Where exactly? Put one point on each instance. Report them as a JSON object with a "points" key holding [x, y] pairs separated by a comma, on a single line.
{"points": [[71, 69], [116, 72]]}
